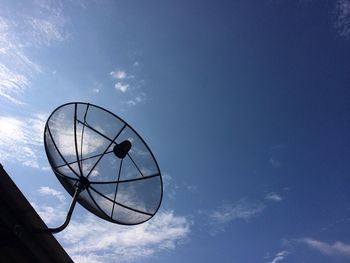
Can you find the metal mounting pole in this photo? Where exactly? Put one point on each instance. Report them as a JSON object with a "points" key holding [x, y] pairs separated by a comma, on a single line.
{"points": [[81, 185], [69, 214]]}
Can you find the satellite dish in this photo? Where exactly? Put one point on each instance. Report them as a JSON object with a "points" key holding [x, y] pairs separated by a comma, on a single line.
{"points": [[103, 163]]}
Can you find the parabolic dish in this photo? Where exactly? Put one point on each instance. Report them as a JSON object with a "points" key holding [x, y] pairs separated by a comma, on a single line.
{"points": [[85, 142]]}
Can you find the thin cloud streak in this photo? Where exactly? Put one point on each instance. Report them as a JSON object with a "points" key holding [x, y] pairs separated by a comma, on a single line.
{"points": [[273, 197], [17, 33], [240, 210], [45, 190], [224, 215], [337, 248], [280, 256], [21, 139], [48, 25], [170, 186], [138, 99], [15, 68], [46, 32]]}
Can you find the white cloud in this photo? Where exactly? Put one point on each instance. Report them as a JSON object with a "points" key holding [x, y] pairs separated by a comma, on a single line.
{"points": [[190, 188], [137, 99], [170, 186], [51, 214], [343, 17], [94, 239], [96, 87], [31, 157], [131, 102], [21, 139], [221, 217], [48, 24], [239, 210], [91, 239], [95, 90], [46, 31], [273, 197], [15, 68], [118, 74], [280, 256], [126, 82], [11, 83], [45, 190], [337, 248], [17, 32], [121, 87], [47, 213], [136, 64]]}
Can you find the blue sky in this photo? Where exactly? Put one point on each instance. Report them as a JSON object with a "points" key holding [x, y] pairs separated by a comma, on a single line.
{"points": [[245, 105]]}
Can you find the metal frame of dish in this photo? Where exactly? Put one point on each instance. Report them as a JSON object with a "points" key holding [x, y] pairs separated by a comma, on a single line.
{"points": [[81, 181]]}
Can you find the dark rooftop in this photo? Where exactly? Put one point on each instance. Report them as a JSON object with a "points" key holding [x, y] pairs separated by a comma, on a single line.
{"points": [[19, 239]]}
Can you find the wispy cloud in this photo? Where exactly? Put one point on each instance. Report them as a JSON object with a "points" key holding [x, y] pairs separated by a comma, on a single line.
{"points": [[170, 186], [96, 87], [45, 190], [191, 188], [280, 256], [11, 84], [118, 74], [273, 197], [239, 210], [343, 17], [121, 87], [337, 248], [138, 99], [47, 25], [15, 68], [47, 31], [21, 139], [95, 90], [221, 217], [51, 214], [42, 26], [93, 240]]}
